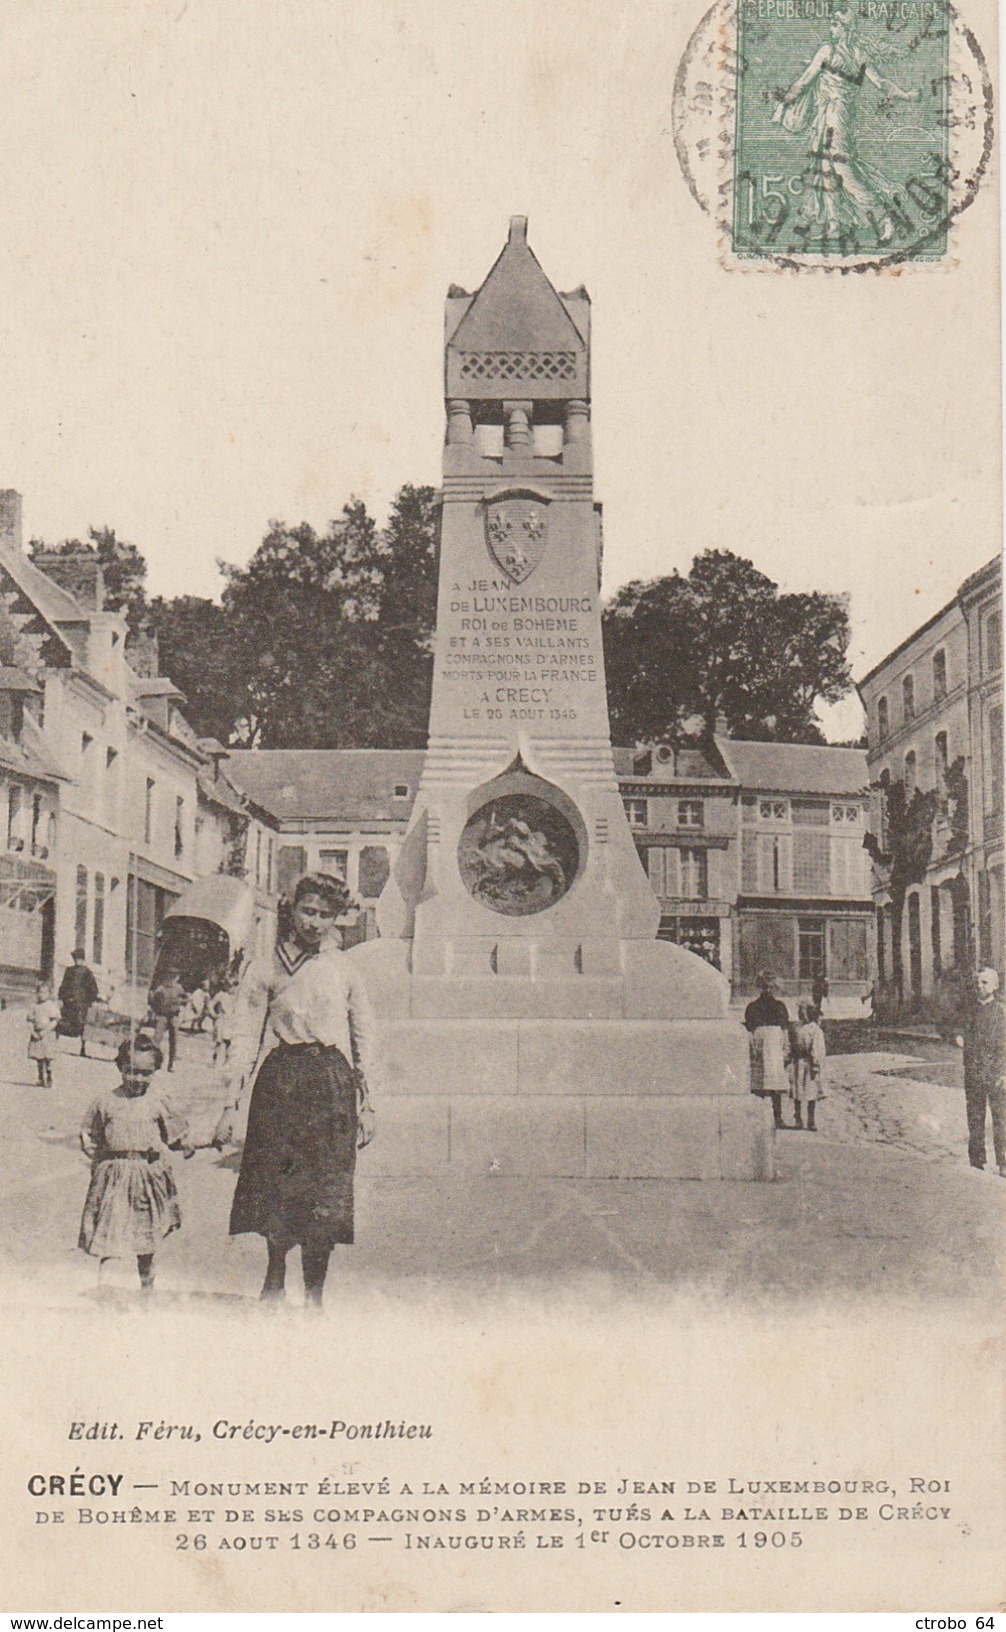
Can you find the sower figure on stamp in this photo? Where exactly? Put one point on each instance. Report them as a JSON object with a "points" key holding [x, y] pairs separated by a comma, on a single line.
{"points": [[823, 102], [309, 1108], [767, 1020], [984, 1043]]}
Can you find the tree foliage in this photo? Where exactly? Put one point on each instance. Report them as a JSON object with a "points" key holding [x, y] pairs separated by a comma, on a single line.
{"points": [[904, 854], [722, 641], [332, 633], [196, 648], [123, 569]]}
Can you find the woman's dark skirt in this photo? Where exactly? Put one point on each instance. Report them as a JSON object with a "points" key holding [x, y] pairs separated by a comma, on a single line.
{"points": [[296, 1181]]}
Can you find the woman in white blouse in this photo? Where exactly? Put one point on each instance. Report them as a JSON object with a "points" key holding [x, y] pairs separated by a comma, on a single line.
{"points": [[309, 1107]]}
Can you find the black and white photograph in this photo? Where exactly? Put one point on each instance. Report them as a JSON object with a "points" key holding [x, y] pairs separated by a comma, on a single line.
{"points": [[501, 808]]}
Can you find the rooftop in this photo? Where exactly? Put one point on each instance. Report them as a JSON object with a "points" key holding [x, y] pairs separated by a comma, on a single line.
{"points": [[337, 784], [795, 767]]}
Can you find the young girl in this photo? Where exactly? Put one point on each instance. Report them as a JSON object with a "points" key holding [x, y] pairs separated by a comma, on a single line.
{"points": [[132, 1203], [807, 1056], [43, 1018]]}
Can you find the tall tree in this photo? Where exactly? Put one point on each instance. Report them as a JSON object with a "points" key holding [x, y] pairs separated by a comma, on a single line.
{"points": [[332, 631], [722, 641], [902, 854], [196, 646]]}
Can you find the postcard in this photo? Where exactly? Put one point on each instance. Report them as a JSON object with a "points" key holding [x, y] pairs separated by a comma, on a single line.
{"points": [[501, 931]]}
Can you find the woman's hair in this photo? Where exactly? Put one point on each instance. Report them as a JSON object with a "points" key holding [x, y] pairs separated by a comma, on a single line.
{"points": [[326, 886], [332, 890], [140, 1044], [764, 980]]}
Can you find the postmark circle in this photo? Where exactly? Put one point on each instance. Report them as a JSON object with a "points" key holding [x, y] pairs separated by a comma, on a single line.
{"points": [[843, 135]]}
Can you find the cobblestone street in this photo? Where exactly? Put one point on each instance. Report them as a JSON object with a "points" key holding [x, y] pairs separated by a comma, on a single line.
{"points": [[881, 1201]]}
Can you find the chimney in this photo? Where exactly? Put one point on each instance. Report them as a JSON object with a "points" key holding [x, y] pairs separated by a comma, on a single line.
{"points": [[10, 517], [142, 652], [80, 575]]}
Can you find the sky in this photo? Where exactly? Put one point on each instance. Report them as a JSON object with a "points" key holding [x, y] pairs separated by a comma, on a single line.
{"points": [[228, 230]]}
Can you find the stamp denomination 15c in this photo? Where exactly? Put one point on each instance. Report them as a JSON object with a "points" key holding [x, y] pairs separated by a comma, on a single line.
{"points": [[841, 133]]}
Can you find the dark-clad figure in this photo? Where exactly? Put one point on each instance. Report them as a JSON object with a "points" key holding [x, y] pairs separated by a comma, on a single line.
{"points": [[767, 1020], [984, 1039], [77, 991]]}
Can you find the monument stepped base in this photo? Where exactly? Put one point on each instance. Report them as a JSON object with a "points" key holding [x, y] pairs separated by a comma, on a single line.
{"points": [[595, 1096]]}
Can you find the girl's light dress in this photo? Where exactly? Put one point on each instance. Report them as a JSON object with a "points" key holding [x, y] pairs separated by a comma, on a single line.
{"points": [[808, 1057], [132, 1202], [43, 1018]]}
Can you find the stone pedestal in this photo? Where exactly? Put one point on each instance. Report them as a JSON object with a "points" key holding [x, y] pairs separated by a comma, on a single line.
{"points": [[534, 1023]]}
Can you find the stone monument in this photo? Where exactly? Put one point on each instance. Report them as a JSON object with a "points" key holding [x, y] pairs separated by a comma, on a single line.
{"points": [[534, 1024]]}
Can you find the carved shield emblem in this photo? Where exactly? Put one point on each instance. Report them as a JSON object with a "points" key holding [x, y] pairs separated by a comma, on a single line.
{"points": [[516, 533]]}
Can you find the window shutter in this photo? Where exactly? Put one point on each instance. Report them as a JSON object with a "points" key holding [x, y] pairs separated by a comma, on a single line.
{"points": [[713, 873], [785, 863], [672, 860]]}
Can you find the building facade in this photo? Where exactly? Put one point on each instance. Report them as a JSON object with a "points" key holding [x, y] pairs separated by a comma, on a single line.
{"points": [[121, 796], [934, 726], [753, 850], [980, 600]]}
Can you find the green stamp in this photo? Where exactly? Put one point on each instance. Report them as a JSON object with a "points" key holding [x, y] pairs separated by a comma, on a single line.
{"points": [[842, 129]]}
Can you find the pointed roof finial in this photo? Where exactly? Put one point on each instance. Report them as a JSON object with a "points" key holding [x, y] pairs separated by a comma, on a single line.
{"points": [[518, 230]]}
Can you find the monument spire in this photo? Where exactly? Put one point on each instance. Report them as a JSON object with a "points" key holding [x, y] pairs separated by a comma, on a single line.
{"points": [[518, 897]]}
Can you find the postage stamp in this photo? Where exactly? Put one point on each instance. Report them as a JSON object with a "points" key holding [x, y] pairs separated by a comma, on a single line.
{"points": [[845, 134]]}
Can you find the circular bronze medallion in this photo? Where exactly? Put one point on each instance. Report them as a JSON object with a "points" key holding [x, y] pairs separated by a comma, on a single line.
{"points": [[518, 854]]}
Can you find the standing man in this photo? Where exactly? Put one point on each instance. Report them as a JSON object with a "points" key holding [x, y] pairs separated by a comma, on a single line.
{"points": [[983, 1041], [77, 991], [166, 1000]]}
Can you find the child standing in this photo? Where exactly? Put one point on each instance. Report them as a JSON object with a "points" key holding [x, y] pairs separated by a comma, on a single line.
{"points": [[222, 1015], [43, 1018], [132, 1202], [807, 1057]]}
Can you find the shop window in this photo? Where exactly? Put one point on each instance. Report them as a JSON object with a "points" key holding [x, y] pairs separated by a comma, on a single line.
{"points": [[766, 942], [811, 948], [698, 935], [847, 951]]}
